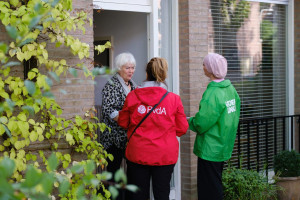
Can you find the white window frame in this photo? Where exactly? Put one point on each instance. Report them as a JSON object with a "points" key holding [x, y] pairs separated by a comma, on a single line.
{"points": [[286, 2], [290, 64], [124, 5]]}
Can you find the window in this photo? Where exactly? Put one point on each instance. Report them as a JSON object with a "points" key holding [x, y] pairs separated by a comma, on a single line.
{"points": [[252, 37]]}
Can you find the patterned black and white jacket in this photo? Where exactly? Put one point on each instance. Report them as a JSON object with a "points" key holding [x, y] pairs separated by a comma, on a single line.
{"points": [[113, 98]]}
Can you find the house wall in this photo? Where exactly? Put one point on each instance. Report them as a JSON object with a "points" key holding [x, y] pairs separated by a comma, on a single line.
{"points": [[297, 62], [80, 94], [193, 46]]}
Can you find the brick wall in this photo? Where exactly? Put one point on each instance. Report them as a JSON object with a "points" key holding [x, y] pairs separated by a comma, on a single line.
{"points": [[297, 61], [193, 43], [80, 94], [15, 70]]}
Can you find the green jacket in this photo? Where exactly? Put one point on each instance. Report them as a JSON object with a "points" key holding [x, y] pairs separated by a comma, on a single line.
{"points": [[216, 122]]}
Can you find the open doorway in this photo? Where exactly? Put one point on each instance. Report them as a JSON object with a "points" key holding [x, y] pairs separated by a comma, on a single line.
{"points": [[127, 32]]}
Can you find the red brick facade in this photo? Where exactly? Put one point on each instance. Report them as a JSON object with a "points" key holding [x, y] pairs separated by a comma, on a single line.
{"points": [[80, 95], [193, 46]]}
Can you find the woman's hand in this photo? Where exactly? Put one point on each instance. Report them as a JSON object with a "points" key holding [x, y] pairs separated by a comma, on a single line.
{"points": [[116, 118]]}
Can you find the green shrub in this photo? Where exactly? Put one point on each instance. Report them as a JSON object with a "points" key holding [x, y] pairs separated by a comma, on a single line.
{"points": [[240, 184], [287, 164]]}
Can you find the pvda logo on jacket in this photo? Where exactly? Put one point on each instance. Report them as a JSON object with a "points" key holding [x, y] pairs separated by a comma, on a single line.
{"points": [[161, 110]]}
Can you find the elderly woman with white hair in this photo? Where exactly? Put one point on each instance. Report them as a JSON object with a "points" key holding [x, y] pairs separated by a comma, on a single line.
{"points": [[113, 97], [216, 125]]}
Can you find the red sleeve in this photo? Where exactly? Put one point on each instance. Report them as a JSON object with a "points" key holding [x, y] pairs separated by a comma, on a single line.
{"points": [[182, 124], [124, 114]]}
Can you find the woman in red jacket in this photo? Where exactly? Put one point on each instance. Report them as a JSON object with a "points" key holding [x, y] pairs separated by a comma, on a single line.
{"points": [[152, 149]]}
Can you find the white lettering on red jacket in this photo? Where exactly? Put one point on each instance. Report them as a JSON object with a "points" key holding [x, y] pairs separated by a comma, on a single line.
{"points": [[158, 110], [142, 109]]}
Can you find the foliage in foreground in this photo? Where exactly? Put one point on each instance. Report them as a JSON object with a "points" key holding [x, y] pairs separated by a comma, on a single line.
{"points": [[39, 185], [287, 164], [29, 113], [247, 185]]}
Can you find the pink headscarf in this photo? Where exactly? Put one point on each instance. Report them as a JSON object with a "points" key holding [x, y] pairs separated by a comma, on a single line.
{"points": [[216, 65]]}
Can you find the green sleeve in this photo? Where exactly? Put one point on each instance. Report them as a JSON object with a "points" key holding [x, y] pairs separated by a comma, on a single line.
{"points": [[205, 118], [191, 124]]}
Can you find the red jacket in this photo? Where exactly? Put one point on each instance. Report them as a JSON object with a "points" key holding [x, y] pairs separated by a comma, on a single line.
{"points": [[154, 142]]}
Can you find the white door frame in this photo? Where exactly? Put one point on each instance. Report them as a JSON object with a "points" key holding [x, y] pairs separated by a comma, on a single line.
{"points": [[151, 7]]}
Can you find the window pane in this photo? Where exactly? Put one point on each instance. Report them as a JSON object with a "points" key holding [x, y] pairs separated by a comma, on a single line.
{"points": [[252, 38], [165, 35]]}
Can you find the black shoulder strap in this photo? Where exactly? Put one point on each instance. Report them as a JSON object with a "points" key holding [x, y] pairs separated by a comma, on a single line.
{"points": [[148, 114]]}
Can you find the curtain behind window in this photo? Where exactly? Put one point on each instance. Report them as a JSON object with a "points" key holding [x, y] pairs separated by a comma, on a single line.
{"points": [[252, 37]]}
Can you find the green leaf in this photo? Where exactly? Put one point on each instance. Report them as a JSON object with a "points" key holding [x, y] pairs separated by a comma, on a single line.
{"points": [[29, 40], [49, 95], [80, 191], [32, 178], [7, 131], [49, 81], [31, 75], [12, 32], [54, 3], [33, 136], [90, 166], [7, 167], [22, 117], [30, 86], [132, 188], [3, 47], [38, 7], [34, 22], [73, 72], [47, 183], [64, 187], [65, 164], [12, 63], [67, 157], [10, 104], [3, 120], [78, 121], [76, 169], [120, 175], [114, 192], [52, 162], [106, 175], [54, 76], [14, 2], [19, 144], [29, 109]]}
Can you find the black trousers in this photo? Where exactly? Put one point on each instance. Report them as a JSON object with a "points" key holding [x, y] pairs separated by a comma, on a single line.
{"points": [[118, 154], [114, 165], [209, 180], [140, 176]]}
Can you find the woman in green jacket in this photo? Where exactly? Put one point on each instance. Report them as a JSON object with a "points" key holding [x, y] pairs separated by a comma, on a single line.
{"points": [[216, 124]]}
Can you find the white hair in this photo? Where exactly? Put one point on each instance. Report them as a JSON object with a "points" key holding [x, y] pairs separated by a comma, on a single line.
{"points": [[124, 58]]}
